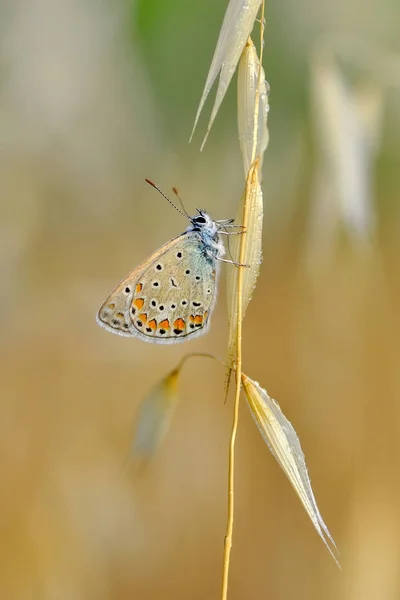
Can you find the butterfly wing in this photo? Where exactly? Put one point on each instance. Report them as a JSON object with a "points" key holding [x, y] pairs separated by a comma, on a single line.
{"points": [[114, 314], [168, 298]]}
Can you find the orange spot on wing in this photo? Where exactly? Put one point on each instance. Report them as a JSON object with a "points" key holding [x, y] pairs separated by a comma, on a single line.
{"points": [[152, 324], [164, 324], [143, 318], [205, 315], [191, 318], [198, 319], [139, 288], [179, 324], [138, 303]]}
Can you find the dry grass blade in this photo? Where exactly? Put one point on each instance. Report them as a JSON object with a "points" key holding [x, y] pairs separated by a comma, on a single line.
{"points": [[345, 131], [155, 415], [251, 90], [236, 28], [156, 411], [284, 444], [253, 111], [252, 254]]}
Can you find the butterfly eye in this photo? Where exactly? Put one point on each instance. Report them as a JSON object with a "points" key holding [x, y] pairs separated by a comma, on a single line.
{"points": [[200, 220]]}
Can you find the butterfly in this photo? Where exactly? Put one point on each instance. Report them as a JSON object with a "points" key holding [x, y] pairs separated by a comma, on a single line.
{"points": [[170, 296]]}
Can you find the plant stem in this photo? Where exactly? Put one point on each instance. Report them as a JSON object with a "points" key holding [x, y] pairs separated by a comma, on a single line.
{"points": [[238, 365]]}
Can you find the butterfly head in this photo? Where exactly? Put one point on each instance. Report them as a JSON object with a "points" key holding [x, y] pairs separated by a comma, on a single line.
{"points": [[205, 224]]}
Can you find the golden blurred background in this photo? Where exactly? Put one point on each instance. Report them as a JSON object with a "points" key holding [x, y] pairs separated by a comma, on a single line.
{"points": [[94, 97]]}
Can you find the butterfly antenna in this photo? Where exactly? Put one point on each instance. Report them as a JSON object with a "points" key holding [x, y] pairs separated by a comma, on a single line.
{"points": [[181, 202], [166, 197]]}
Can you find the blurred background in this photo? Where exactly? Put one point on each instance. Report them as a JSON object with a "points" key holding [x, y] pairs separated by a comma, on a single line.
{"points": [[94, 97]]}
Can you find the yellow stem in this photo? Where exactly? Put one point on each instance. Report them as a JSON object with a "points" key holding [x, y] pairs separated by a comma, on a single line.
{"points": [[231, 459]]}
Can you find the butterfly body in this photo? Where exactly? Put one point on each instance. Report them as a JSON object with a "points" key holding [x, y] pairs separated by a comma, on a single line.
{"points": [[170, 296]]}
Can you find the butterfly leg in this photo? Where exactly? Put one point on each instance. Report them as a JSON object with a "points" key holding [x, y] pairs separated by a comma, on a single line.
{"points": [[232, 262], [231, 232]]}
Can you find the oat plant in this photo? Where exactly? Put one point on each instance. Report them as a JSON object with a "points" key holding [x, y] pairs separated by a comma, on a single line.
{"points": [[236, 49]]}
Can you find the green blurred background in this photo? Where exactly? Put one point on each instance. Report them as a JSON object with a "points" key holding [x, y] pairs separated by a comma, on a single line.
{"points": [[94, 97]]}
